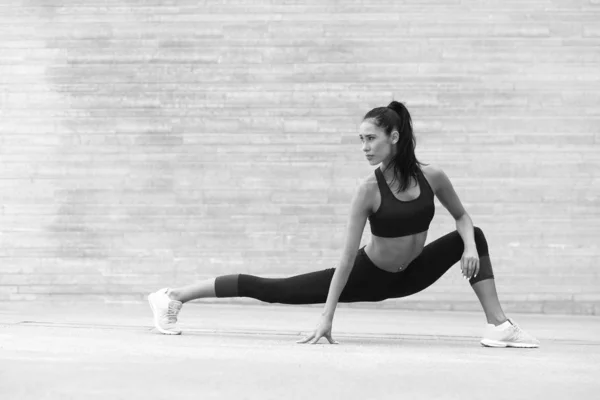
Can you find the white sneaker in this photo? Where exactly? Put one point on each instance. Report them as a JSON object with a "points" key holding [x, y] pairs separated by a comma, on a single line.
{"points": [[509, 334], [165, 312]]}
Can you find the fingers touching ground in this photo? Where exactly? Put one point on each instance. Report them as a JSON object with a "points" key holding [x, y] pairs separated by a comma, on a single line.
{"points": [[314, 338]]}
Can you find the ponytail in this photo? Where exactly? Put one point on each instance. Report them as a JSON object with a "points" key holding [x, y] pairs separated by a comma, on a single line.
{"points": [[405, 120]]}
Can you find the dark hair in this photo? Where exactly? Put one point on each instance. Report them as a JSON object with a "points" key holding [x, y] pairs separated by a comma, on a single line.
{"points": [[396, 117]]}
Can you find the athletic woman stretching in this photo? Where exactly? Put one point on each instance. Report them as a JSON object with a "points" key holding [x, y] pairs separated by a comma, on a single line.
{"points": [[398, 202]]}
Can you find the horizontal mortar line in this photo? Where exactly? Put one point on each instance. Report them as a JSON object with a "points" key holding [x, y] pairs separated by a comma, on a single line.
{"points": [[126, 80], [298, 45], [213, 60], [186, 14], [331, 87], [320, 36], [208, 37], [274, 17], [73, 91], [263, 42], [226, 9], [318, 117], [285, 20], [174, 88], [164, 108]]}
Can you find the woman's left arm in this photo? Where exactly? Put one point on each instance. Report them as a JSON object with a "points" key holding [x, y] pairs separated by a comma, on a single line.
{"points": [[445, 192]]}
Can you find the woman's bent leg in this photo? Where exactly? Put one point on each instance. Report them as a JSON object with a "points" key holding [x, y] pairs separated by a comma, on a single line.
{"points": [[486, 293], [447, 251], [436, 259]]}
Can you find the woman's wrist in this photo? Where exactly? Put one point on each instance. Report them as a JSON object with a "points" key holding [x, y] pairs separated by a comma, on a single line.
{"points": [[328, 314]]}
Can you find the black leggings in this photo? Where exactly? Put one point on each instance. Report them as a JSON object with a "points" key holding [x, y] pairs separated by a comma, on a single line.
{"points": [[366, 282]]}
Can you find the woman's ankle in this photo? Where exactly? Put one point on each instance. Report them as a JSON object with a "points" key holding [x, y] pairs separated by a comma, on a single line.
{"points": [[174, 294], [497, 320]]}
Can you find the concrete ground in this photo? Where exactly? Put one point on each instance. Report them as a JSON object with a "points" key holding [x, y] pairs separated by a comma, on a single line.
{"points": [[93, 351]]}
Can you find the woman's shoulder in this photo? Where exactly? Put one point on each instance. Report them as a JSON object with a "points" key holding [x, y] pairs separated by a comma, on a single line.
{"points": [[369, 182], [429, 171], [367, 187], [432, 173]]}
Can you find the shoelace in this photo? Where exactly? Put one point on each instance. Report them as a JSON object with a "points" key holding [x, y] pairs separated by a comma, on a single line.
{"points": [[172, 313], [519, 333]]}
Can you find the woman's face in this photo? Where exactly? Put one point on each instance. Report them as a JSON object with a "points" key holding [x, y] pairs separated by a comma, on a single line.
{"points": [[377, 146]]}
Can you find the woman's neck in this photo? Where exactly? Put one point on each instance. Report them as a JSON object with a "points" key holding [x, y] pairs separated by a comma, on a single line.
{"points": [[387, 168]]}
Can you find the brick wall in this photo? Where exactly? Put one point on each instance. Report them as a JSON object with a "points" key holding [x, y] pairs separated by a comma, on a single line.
{"points": [[147, 143]]}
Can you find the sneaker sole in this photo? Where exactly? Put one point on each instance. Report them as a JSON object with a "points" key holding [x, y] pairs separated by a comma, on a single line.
{"points": [[158, 328], [496, 343]]}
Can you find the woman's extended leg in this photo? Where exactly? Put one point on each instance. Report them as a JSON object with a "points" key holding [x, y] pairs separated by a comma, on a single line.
{"points": [[309, 288], [365, 283], [199, 290]]}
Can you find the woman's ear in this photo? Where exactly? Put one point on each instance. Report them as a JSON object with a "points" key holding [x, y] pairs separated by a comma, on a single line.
{"points": [[395, 136]]}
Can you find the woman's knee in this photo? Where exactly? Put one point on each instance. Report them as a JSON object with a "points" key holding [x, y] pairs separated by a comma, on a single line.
{"points": [[480, 242]]}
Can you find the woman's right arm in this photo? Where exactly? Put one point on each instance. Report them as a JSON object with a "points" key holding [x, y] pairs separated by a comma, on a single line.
{"points": [[359, 211]]}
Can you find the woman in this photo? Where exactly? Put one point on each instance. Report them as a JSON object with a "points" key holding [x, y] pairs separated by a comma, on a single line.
{"points": [[398, 201]]}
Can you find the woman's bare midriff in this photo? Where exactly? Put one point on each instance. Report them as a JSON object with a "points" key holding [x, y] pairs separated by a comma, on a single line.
{"points": [[395, 254]]}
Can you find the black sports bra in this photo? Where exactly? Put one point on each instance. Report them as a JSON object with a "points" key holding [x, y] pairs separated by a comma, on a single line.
{"points": [[396, 218]]}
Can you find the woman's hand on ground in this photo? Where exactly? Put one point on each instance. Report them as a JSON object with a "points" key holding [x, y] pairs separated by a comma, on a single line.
{"points": [[323, 329]]}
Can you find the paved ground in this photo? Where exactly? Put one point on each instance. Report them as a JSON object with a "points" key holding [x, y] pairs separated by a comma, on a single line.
{"points": [[249, 352]]}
